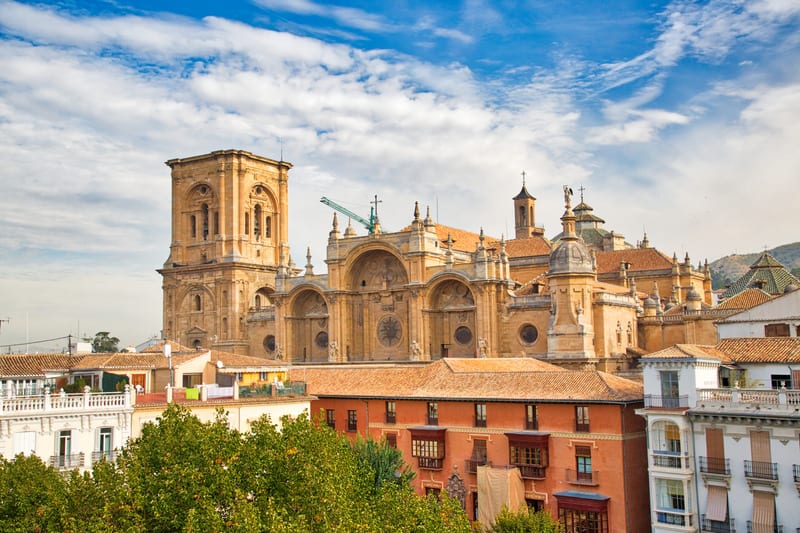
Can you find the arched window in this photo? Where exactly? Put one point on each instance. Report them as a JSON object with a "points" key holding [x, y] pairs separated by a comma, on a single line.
{"points": [[522, 215], [268, 227], [198, 303], [257, 222], [258, 301], [247, 223], [193, 224], [204, 209], [224, 327]]}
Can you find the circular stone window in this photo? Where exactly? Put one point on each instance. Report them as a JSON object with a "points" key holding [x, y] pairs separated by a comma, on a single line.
{"points": [[528, 334], [390, 331], [269, 343], [463, 335], [321, 339]]}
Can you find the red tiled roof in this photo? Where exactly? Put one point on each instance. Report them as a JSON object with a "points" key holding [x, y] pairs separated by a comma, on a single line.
{"points": [[32, 365], [532, 246], [746, 299], [762, 349], [464, 379], [689, 351], [232, 360], [640, 259]]}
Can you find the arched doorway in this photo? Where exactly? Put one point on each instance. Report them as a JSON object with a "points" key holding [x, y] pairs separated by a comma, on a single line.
{"points": [[308, 324], [451, 320]]}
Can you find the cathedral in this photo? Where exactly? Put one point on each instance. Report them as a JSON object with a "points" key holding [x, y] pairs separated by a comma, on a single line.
{"points": [[425, 292]]}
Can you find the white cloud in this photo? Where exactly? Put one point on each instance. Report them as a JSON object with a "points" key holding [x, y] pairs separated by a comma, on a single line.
{"points": [[86, 130]]}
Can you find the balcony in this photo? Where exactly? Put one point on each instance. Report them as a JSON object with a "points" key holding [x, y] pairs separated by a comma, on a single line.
{"points": [[480, 422], [471, 465], [669, 459], [104, 456], [391, 418], [713, 526], [582, 478], [675, 518], [67, 462], [749, 400], [433, 420], [761, 470], [754, 527], [532, 471], [430, 463], [665, 402], [582, 427], [715, 465], [532, 425]]}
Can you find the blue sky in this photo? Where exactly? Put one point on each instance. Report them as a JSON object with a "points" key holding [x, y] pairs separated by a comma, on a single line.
{"points": [[681, 119]]}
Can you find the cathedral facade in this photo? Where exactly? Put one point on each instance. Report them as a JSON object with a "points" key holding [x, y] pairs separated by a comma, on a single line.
{"points": [[425, 292]]}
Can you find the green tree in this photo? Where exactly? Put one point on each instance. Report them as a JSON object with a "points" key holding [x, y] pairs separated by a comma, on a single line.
{"points": [[178, 472], [385, 461], [523, 521], [103, 342], [32, 495]]}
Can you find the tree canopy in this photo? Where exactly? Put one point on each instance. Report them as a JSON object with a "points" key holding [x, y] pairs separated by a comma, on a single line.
{"points": [[104, 342], [186, 475]]}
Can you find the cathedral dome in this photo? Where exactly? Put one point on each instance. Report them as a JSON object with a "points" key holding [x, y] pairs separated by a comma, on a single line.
{"points": [[571, 256], [693, 295]]}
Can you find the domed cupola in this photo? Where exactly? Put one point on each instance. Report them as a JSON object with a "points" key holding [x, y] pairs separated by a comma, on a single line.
{"points": [[571, 256]]}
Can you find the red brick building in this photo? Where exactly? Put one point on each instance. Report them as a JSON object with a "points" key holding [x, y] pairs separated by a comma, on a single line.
{"points": [[574, 436]]}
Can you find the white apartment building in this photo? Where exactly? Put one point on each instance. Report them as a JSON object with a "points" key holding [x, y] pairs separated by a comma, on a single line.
{"points": [[723, 428], [777, 317], [66, 430]]}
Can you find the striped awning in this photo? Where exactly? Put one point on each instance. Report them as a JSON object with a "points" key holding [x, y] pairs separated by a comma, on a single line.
{"points": [[717, 507], [763, 512]]}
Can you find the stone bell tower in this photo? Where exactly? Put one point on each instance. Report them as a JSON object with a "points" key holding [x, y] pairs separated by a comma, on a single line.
{"points": [[229, 238]]}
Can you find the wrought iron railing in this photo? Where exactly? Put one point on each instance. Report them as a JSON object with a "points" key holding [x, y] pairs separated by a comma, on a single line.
{"points": [[668, 460], [582, 478], [715, 526], [74, 460], [109, 456], [675, 518], [471, 465], [755, 527], [665, 402], [761, 470], [715, 465]]}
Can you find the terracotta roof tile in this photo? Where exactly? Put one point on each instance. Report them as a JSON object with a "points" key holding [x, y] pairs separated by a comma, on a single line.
{"points": [[762, 349], [532, 246], [488, 379], [232, 360], [746, 299], [640, 259], [689, 351], [31, 365]]}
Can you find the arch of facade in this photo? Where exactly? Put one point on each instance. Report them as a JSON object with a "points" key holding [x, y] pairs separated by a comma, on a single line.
{"points": [[450, 318], [376, 318], [307, 325], [260, 219], [193, 321]]}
